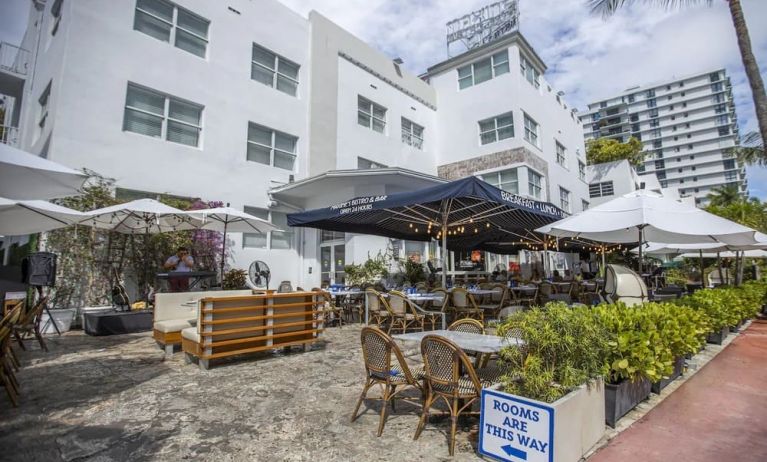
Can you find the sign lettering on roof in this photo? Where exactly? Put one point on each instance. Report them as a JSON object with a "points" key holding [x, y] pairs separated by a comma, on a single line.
{"points": [[358, 204], [484, 25], [532, 204], [515, 429]]}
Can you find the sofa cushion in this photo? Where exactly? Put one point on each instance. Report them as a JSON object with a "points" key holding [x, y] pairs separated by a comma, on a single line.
{"points": [[173, 325], [190, 333], [183, 305]]}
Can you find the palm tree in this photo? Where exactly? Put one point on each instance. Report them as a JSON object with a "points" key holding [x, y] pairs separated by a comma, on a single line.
{"points": [[751, 150], [724, 196], [608, 7]]}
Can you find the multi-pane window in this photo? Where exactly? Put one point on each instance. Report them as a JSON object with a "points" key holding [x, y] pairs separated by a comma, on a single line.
{"points": [[561, 158], [652, 102], [483, 70], [655, 122], [371, 115], [714, 76], [271, 147], [564, 199], [602, 189], [731, 175], [720, 109], [531, 130], [729, 164], [650, 93], [530, 72], [274, 239], [581, 171], [273, 70], [508, 180], [724, 131], [634, 117], [496, 128], [653, 113], [660, 164], [170, 23], [631, 100], [43, 100], [722, 120], [365, 164], [716, 87], [412, 133], [718, 98], [534, 183], [156, 114], [655, 133]]}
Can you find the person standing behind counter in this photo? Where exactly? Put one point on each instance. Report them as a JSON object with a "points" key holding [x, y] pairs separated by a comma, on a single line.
{"points": [[182, 262]]}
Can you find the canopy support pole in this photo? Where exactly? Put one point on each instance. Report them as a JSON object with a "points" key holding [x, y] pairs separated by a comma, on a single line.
{"points": [[444, 254], [545, 258], [640, 250], [719, 266], [223, 251], [702, 270]]}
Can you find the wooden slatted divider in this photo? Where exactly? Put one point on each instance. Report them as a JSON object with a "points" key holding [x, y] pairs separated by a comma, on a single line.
{"points": [[230, 326]]}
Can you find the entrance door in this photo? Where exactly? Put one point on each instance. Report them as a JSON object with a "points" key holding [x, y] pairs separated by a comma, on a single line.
{"points": [[333, 258]]}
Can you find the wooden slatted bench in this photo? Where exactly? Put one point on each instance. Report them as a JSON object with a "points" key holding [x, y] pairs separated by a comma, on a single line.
{"points": [[248, 324]]}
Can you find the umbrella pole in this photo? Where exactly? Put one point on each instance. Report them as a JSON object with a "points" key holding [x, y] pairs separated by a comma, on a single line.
{"points": [[604, 261], [702, 271], [223, 253], [719, 268], [444, 255], [640, 251], [545, 258]]}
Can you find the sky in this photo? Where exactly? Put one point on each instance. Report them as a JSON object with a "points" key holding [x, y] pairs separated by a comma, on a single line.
{"points": [[588, 57]]}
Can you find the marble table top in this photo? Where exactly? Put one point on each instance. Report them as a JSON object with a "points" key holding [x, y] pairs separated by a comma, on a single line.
{"points": [[464, 340]]}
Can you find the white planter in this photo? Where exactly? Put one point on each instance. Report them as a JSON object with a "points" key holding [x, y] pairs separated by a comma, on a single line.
{"points": [[579, 421], [63, 318]]}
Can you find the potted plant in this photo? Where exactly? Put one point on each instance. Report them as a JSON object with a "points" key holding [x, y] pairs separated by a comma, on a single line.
{"points": [[717, 307], [235, 279], [561, 363]]}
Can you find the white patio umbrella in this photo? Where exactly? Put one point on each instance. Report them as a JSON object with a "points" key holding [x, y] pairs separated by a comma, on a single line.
{"points": [[18, 218], [644, 216], [228, 219], [142, 216], [25, 176]]}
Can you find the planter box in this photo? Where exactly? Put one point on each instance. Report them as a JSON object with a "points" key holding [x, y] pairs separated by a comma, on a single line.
{"points": [[736, 327], [622, 397], [718, 337], [663, 383], [579, 420], [62, 317]]}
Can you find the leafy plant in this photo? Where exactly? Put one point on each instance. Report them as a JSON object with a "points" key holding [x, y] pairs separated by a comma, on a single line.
{"points": [[608, 150], [234, 279], [412, 271], [370, 272], [563, 349]]}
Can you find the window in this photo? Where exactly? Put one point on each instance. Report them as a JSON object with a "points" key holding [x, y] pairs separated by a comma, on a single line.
{"points": [[508, 180], [716, 87], [155, 114], [564, 199], [724, 131], [718, 98], [531, 130], [170, 23], [534, 181], [653, 113], [364, 164], [720, 109], [722, 120], [635, 128], [274, 239], [532, 75], [660, 164], [56, 13], [412, 134], [650, 93], [602, 189], [729, 164], [274, 71], [561, 159], [483, 70], [581, 171], [654, 122], [371, 115], [730, 176], [634, 117], [496, 129], [641, 168], [603, 104], [651, 103], [43, 100], [631, 100], [671, 108], [270, 147], [714, 76], [584, 204]]}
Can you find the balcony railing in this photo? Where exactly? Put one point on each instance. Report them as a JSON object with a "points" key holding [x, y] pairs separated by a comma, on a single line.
{"points": [[9, 135], [14, 59]]}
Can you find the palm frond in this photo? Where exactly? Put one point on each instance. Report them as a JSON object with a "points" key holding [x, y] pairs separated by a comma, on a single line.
{"points": [[607, 8], [751, 150]]}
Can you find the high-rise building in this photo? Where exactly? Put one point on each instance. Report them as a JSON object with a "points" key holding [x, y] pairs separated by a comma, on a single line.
{"points": [[688, 127], [251, 104]]}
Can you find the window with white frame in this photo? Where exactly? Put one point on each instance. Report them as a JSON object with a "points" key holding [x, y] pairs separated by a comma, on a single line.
{"points": [[43, 100], [508, 180], [602, 189], [531, 130], [584, 204], [56, 13], [496, 128], [561, 158], [412, 133], [371, 115], [271, 240], [151, 113], [365, 164], [581, 171], [529, 71], [274, 71], [271, 147], [170, 23], [483, 70], [534, 183], [564, 199]]}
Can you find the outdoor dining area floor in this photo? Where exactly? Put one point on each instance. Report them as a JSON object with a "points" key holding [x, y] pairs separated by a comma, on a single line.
{"points": [[117, 398]]}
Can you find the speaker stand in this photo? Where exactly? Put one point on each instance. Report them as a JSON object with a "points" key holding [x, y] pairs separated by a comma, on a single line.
{"points": [[47, 310]]}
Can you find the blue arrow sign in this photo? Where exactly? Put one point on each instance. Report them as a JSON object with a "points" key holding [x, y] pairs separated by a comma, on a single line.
{"points": [[512, 451]]}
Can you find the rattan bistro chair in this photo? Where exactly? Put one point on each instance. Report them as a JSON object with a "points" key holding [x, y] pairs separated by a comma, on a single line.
{"points": [[403, 314], [470, 326], [450, 377], [8, 361], [377, 350], [497, 300], [465, 306], [378, 315], [528, 296]]}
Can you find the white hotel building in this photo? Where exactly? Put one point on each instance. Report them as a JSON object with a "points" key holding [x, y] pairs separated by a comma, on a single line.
{"points": [[687, 125], [250, 103]]}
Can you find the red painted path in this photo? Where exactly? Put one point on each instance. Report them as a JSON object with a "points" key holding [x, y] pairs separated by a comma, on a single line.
{"points": [[720, 414]]}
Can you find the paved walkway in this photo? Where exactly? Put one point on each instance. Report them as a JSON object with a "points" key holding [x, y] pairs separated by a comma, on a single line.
{"points": [[720, 414]]}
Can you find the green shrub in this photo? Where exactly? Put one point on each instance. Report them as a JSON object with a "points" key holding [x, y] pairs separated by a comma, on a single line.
{"points": [[564, 348], [234, 279], [720, 306]]}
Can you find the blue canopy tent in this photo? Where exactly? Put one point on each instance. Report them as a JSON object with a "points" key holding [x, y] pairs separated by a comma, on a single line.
{"points": [[463, 214]]}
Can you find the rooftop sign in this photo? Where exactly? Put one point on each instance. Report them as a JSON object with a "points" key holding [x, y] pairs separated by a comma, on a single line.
{"points": [[483, 25]]}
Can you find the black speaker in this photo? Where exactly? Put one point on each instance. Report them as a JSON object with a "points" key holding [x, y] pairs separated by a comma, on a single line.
{"points": [[39, 269]]}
